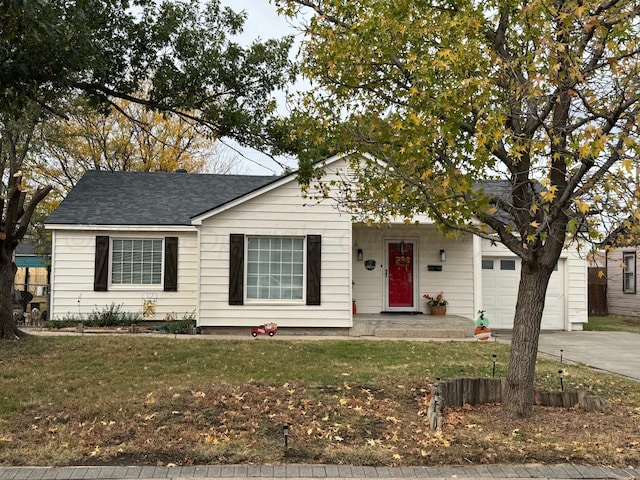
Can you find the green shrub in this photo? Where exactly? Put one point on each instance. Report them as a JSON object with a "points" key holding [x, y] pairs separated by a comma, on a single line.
{"points": [[111, 316], [184, 325], [64, 322]]}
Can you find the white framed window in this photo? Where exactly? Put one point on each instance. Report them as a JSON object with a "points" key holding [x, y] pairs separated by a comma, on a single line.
{"points": [[136, 261], [507, 264], [487, 264], [275, 268], [629, 272]]}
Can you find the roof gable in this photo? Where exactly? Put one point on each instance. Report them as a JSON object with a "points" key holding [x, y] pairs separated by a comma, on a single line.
{"points": [[150, 198]]}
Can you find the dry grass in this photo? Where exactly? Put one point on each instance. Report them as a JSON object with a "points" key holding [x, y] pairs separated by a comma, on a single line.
{"points": [[134, 400]]}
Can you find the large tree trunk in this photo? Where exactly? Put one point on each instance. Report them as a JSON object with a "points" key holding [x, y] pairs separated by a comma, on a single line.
{"points": [[16, 210], [8, 328], [519, 395]]}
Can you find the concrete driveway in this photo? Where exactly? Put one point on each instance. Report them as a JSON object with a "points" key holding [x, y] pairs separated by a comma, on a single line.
{"points": [[617, 352]]}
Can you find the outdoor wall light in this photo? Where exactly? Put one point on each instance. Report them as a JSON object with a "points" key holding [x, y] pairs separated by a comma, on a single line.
{"points": [[360, 255], [443, 256]]}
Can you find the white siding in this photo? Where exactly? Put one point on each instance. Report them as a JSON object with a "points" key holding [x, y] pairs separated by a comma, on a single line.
{"points": [[456, 279], [577, 290], [73, 260], [278, 212]]}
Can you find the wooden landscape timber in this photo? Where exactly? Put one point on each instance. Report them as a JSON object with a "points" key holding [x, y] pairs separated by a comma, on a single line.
{"points": [[482, 391]]}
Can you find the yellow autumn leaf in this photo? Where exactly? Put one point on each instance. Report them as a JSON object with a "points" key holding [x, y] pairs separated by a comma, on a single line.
{"points": [[535, 224], [549, 194], [583, 207]]}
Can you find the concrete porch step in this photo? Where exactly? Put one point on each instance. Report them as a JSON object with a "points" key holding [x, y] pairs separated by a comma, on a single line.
{"points": [[412, 326], [423, 332]]}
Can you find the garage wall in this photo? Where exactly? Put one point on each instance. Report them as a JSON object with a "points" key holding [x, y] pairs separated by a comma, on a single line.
{"points": [[566, 301]]}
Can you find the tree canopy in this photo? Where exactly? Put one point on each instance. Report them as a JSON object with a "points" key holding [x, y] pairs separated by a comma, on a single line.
{"points": [[182, 55], [178, 57], [541, 95], [129, 137]]}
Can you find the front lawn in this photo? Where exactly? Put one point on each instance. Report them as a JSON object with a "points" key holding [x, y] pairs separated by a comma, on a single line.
{"points": [[158, 400]]}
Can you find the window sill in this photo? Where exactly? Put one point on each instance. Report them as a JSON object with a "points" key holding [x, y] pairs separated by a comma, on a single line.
{"points": [[273, 303], [154, 287]]}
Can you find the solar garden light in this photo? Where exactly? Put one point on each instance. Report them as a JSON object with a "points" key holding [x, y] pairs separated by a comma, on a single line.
{"points": [[494, 365], [561, 381], [561, 350], [285, 432]]}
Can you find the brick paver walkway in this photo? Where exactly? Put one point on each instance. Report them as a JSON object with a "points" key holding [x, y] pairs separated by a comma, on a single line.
{"points": [[495, 472]]}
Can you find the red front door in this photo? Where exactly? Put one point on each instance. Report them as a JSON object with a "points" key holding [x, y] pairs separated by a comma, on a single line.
{"points": [[400, 275]]}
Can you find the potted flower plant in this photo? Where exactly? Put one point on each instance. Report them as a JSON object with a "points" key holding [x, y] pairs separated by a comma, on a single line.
{"points": [[437, 304]]}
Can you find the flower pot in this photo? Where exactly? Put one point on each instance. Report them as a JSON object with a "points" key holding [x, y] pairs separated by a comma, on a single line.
{"points": [[439, 310]]}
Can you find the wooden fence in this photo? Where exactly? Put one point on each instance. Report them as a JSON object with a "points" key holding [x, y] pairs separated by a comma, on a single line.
{"points": [[597, 285]]}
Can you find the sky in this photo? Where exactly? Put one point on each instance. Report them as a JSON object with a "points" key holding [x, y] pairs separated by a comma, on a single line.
{"points": [[262, 23], [263, 20]]}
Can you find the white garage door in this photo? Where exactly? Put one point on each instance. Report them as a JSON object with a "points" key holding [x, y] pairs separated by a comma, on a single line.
{"points": [[500, 279]]}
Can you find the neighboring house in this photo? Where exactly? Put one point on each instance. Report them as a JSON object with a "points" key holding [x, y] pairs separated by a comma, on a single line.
{"points": [[623, 297], [239, 251], [32, 275]]}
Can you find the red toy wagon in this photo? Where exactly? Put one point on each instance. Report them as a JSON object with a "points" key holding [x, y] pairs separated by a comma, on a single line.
{"points": [[267, 329]]}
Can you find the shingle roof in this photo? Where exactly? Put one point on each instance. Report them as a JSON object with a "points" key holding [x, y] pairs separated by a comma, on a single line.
{"points": [[150, 198]]}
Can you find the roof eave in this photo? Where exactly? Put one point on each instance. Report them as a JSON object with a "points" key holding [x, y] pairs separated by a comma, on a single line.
{"points": [[137, 228]]}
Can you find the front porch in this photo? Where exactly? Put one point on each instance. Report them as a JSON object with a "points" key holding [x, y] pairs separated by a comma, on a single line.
{"points": [[390, 325]]}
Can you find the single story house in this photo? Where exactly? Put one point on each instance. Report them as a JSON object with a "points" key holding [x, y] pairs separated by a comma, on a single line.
{"points": [[622, 252], [240, 251]]}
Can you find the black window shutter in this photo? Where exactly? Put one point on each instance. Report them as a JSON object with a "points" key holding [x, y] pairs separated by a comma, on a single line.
{"points": [[314, 247], [236, 269], [171, 264], [101, 271]]}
